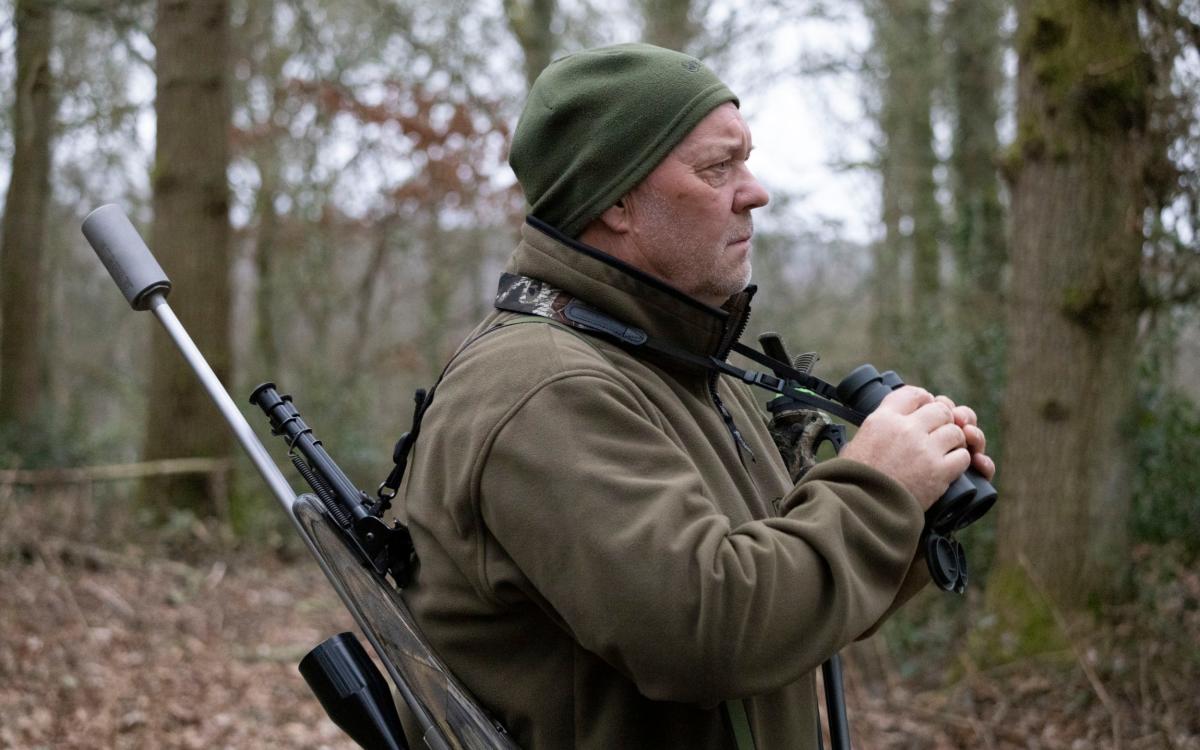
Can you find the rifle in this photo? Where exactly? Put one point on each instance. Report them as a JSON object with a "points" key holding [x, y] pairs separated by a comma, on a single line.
{"points": [[344, 530]]}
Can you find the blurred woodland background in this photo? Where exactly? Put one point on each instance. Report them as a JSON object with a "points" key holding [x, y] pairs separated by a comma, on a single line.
{"points": [[325, 183]]}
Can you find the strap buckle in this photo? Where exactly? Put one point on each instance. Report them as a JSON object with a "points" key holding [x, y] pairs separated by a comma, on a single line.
{"points": [[763, 380]]}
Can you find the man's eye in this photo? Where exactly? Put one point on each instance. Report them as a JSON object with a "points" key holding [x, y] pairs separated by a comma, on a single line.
{"points": [[722, 166]]}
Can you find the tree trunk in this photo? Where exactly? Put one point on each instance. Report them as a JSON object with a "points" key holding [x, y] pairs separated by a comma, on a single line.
{"points": [[265, 59], [530, 22], [911, 213], [265, 249], [668, 23], [980, 248], [1077, 211], [191, 236], [21, 255], [887, 308]]}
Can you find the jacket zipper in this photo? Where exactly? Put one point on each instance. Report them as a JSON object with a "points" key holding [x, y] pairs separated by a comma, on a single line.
{"points": [[723, 350], [729, 423]]}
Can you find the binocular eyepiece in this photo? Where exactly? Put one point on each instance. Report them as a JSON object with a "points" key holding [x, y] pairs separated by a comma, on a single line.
{"points": [[964, 502]]}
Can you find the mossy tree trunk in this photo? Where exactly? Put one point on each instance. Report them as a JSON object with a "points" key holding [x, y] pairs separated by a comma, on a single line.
{"points": [[22, 265], [191, 237], [1078, 202]]}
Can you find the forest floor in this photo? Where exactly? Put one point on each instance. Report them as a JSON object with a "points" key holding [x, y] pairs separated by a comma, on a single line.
{"points": [[120, 645]]}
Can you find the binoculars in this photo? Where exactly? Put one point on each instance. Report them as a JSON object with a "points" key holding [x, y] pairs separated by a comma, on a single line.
{"points": [[964, 502]]}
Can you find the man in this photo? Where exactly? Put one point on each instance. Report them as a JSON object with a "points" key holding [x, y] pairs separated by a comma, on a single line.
{"points": [[612, 551]]}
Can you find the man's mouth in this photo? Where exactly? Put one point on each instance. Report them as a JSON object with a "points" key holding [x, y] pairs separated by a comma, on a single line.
{"points": [[743, 236]]}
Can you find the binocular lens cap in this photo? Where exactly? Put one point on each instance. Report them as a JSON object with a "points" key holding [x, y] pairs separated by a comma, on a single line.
{"points": [[946, 559], [961, 554]]}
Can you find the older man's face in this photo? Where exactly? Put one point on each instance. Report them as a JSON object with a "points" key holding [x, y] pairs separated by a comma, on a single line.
{"points": [[689, 220]]}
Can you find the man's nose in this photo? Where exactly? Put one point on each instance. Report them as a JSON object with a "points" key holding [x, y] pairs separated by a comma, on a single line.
{"points": [[751, 194]]}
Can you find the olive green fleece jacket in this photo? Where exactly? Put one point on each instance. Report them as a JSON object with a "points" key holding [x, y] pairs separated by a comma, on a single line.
{"points": [[602, 564]]}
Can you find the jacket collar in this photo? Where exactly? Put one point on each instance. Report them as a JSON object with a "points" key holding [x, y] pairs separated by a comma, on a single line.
{"points": [[627, 293]]}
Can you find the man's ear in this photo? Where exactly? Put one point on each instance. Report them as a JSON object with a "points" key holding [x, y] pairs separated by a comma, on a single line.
{"points": [[616, 217]]}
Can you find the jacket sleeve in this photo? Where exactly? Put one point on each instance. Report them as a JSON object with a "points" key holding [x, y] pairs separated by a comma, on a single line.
{"points": [[608, 521], [916, 579]]}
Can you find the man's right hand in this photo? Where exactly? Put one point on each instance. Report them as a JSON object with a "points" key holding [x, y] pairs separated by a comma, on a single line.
{"points": [[913, 438]]}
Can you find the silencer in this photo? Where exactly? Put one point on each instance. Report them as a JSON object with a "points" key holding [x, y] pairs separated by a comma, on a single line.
{"points": [[125, 255]]}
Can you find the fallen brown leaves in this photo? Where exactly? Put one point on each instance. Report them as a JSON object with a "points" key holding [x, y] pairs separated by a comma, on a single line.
{"points": [[100, 650], [106, 645], [1128, 681]]}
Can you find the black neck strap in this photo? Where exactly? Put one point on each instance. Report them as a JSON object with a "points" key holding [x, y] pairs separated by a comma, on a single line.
{"points": [[528, 296], [522, 294]]}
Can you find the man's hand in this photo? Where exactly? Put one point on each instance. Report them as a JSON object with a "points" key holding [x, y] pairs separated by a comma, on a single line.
{"points": [[964, 417], [921, 441]]}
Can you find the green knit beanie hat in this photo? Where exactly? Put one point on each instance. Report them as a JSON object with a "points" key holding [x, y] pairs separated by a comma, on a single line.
{"points": [[598, 121]]}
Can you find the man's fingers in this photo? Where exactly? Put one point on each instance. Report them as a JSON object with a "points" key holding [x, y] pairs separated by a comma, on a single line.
{"points": [[958, 460], [965, 415], [976, 440], [933, 415], [984, 465], [948, 437], [906, 400], [944, 399]]}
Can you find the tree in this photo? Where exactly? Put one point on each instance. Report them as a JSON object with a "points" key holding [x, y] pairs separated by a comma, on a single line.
{"points": [[262, 48], [530, 22], [366, 148], [972, 33], [23, 249], [1077, 206], [1171, 34], [191, 236], [905, 331], [669, 23]]}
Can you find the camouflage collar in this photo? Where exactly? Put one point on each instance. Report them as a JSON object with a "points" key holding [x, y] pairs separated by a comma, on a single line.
{"points": [[522, 294]]}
